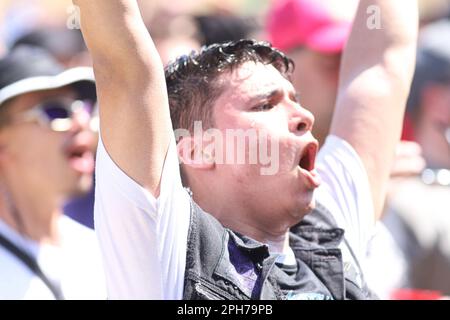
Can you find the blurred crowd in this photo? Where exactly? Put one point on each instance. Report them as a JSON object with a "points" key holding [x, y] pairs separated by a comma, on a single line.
{"points": [[408, 256]]}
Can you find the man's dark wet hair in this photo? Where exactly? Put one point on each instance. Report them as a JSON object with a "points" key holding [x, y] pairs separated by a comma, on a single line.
{"points": [[192, 79]]}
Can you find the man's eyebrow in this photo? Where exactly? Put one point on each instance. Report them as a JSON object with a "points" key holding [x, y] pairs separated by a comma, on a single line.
{"points": [[267, 96]]}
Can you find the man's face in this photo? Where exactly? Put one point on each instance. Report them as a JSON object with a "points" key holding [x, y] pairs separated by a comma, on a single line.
{"points": [[34, 158], [258, 97], [316, 78]]}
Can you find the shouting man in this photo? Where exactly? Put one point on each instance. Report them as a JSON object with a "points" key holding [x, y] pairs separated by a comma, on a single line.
{"points": [[214, 229]]}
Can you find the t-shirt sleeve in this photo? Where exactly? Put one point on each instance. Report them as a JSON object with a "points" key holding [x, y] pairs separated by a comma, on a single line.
{"points": [[143, 239], [345, 192]]}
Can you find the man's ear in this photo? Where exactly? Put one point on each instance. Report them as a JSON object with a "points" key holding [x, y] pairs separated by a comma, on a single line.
{"points": [[195, 154]]}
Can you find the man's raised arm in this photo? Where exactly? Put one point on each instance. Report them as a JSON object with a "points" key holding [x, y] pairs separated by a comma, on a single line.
{"points": [[376, 73], [134, 113]]}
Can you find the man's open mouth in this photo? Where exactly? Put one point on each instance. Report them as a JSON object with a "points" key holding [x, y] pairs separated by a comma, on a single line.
{"points": [[308, 156], [307, 165], [81, 158]]}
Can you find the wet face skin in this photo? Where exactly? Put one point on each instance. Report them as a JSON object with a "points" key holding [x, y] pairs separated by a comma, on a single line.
{"points": [[258, 97], [36, 159]]}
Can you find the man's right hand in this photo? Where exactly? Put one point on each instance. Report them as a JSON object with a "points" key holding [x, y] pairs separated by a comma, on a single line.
{"points": [[134, 111]]}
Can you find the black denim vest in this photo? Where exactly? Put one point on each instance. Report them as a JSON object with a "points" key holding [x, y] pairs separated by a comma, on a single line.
{"points": [[211, 272]]}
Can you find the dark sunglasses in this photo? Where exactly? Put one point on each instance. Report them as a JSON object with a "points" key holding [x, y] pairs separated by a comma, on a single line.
{"points": [[57, 114]]}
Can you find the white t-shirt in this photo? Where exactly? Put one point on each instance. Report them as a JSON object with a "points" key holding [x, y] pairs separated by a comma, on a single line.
{"points": [[75, 265], [143, 239]]}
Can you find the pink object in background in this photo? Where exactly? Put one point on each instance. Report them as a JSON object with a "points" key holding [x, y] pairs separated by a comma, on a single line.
{"points": [[415, 294], [317, 25]]}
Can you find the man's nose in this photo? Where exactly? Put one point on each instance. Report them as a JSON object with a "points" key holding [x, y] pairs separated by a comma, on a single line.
{"points": [[300, 119], [81, 117]]}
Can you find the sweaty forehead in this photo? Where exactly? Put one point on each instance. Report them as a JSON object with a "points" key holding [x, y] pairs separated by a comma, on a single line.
{"points": [[252, 79]]}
